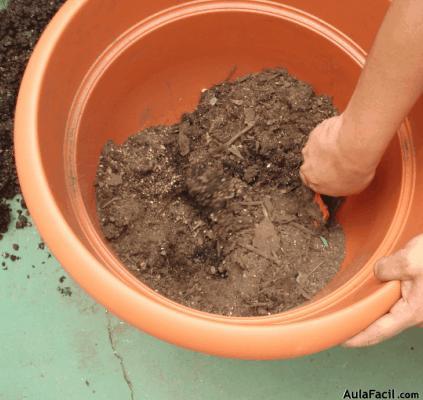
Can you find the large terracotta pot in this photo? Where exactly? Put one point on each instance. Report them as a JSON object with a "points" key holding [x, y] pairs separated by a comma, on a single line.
{"points": [[106, 69]]}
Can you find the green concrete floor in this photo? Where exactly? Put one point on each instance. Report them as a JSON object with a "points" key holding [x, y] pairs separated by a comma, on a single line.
{"points": [[54, 346]]}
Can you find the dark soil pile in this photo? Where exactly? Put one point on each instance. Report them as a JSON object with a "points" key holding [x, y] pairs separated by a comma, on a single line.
{"points": [[20, 27], [211, 212]]}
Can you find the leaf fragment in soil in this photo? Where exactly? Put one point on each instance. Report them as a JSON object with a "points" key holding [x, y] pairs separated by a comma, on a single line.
{"points": [[183, 142], [250, 116], [183, 138], [266, 237]]}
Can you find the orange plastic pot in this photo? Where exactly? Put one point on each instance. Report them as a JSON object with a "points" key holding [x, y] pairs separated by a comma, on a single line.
{"points": [[106, 69]]}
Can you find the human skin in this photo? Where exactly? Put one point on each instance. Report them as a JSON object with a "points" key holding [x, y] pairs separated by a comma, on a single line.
{"points": [[342, 153]]}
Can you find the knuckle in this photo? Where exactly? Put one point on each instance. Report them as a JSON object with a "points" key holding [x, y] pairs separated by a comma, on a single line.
{"points": [[312, 181], [402, 256], [411, 270], [405, 262], [412, 261]]}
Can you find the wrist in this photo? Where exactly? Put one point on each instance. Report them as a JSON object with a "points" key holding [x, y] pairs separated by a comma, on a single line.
{"points": [[354, 147]]}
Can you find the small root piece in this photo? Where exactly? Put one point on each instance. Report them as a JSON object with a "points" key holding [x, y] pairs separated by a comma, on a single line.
{"points": [[303, 228], [287, 221], [107, 203], [315, 268], [233, 139], [250, 203]]}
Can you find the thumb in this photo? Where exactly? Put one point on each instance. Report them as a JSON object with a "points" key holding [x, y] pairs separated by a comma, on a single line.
{"points": [[306, 181], [394, 267], [303, 177]]}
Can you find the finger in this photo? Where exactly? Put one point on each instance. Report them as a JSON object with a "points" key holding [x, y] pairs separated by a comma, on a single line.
{"points": [[394, 267], [303, 178], [391, 324], [307, 182], [320, 127], [312, 186], [304, 151]]}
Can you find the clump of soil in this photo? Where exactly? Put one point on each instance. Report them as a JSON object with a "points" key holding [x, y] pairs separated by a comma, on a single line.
{"points": [[4, 217], [21, 24], [211, 212]]}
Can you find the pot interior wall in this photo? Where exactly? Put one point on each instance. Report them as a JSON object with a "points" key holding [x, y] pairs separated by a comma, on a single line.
{"points": [[160, 76]]}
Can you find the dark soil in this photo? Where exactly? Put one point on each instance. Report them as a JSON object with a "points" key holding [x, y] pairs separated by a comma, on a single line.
{"points": [[65, 291], [20, 27], [4, 216], [211, 212]]}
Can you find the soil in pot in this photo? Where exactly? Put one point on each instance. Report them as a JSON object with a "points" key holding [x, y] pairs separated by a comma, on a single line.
{"points": [[211, 212]]}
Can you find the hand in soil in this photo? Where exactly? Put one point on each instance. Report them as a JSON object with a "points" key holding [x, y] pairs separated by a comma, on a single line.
{"points": [[328, 168], [406, 266], [211, 212]]}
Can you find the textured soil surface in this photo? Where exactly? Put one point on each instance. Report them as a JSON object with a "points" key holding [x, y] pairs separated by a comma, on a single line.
{"points": [[211, 212], [20, 27]]}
